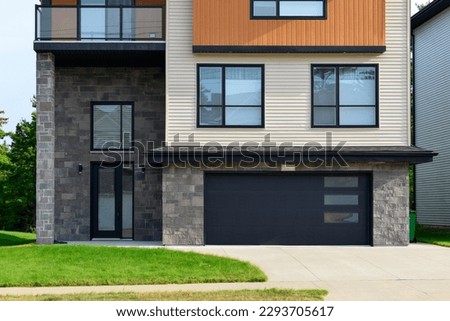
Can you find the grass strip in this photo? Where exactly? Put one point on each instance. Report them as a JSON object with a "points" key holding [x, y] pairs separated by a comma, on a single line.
{"points": [[73, 265], [238, 295], [437, 236], [16, 238]]}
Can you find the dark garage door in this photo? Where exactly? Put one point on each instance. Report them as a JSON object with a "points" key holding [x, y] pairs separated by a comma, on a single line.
{"points": [[291, 209]]}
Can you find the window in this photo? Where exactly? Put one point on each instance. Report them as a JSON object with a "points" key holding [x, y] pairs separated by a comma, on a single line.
{"points": [[112, 126], [345, 96], [230, 96], [104, 19], [288, 9]]}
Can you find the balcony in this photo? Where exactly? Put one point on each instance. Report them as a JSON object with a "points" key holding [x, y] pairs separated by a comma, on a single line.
{"points": [[99, 31]]}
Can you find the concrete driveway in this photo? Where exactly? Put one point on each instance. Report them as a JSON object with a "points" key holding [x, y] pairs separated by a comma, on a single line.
{"points": [[416, 272]]}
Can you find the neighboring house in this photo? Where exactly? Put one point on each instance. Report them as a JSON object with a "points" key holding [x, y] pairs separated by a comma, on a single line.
{"points": [[224, 122], [431, 63]]}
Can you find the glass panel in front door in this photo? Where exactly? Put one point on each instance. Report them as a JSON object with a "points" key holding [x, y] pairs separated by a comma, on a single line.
{"points": [[127, 203], [106, 199]]}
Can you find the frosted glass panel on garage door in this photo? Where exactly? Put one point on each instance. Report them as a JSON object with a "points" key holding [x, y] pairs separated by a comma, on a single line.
{"points": [[341, 200]]}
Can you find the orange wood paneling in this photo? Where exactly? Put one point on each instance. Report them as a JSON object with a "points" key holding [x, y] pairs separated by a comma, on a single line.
{"points": [[348, 23], [150, 2], [64, 2]]}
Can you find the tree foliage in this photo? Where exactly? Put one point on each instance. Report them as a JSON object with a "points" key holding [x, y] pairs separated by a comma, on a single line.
{"points": [[420, 6], [18, 177], [3, 121]]}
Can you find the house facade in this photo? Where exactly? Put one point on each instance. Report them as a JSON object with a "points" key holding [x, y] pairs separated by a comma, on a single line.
{"points": [[431, 55], [197, 122]]}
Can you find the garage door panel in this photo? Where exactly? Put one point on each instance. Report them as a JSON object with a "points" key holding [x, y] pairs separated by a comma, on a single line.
{"points": [[281, 209]]}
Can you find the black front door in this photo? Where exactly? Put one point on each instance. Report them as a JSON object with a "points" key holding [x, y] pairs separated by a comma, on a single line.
{"points": [[112, 201]]}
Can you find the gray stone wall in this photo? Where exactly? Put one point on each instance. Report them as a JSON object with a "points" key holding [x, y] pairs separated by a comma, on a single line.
{"points": [[391, 205], [183, 200], [76, 88], [45, 140], [183, 206]]}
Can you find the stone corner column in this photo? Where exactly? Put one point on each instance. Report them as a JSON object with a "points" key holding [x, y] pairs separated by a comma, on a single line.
{"points": [[45, 140], [183, 212]]}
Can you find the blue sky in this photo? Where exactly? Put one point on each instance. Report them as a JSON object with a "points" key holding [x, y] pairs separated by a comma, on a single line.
{"points": [[17, 59]]}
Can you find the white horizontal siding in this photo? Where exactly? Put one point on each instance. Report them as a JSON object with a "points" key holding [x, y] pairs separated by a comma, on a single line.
{"points": [[432, 95], [287, 87]]}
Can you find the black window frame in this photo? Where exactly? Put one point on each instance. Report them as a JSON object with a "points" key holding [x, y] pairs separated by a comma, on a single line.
{"points": [[277, 16], [108, 103], [337, 104], [223, 105]]}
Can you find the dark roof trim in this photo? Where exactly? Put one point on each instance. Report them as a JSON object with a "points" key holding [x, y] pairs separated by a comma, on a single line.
{"points": [[52, 46], [434, 8], [312, 154], [288, 49]]}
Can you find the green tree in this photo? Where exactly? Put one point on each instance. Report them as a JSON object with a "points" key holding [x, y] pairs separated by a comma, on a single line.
{"points": [[5, 168], [420, 6], [18, 178], [3, 121]]}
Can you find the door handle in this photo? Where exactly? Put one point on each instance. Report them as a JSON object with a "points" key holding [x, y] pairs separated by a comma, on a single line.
{"points": [[118, 214]]}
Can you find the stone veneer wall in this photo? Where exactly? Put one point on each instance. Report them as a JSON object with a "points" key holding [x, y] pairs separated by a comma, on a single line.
{"points": [[45, 140], [183, 206], [76, 88], [183, 195]]}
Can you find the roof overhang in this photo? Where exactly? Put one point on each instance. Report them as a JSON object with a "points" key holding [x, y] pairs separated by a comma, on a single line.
{"points": [[431, 10], [104, 53], [339, 155], [288, 49]]}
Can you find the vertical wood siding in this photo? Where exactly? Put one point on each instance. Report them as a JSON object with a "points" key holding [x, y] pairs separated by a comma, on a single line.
{"points": [[349, 23]]}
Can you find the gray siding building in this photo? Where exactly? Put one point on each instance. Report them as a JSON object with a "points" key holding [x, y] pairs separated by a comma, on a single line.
{"points": [[431, 35]]}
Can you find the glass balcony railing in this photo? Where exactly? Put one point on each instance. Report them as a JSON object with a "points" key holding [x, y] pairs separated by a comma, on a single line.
{"points": [[99, 23]]}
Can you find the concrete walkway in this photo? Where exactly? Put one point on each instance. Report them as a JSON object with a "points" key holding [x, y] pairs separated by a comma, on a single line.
{"points": [[417, 272]]}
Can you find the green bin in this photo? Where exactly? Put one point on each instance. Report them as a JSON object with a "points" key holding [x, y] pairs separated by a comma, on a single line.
{"points": [[412, 226]]}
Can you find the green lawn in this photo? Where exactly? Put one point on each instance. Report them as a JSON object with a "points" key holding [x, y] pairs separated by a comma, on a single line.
{"points": [[438, 236], [16, 238], [67, 265], [239, 295]]}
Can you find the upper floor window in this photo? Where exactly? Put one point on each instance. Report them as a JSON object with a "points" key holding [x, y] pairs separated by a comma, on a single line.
{"points": [[230, 96], [112, 126], [288, 9], [103, 19], [345, 96]]}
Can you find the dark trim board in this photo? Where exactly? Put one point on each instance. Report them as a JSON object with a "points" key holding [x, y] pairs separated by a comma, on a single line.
{"points": [[55, 46], [95, 58], [196, 156], [288, 49]]}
